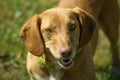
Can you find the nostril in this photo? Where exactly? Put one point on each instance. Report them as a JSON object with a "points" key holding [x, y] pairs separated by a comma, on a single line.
{"points": [[66, 53]]}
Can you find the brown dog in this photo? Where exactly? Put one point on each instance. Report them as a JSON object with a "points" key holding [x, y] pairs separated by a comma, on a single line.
{"points": [[62, 37]]}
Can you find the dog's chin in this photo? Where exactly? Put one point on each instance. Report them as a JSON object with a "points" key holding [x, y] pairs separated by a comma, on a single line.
{"points": [[66, 63]]}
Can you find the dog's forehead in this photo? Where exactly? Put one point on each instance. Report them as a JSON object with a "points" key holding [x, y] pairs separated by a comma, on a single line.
{"points": [[56, 12], [56, 16]]}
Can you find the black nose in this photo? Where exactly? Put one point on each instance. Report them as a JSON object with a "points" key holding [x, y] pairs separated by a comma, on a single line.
{"points": [[66, 53]]}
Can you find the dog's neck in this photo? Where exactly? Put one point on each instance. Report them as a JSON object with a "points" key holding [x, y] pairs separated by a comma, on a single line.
{"points": [[51, 64]]}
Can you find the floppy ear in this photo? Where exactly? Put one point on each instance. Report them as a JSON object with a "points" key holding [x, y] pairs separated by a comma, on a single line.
{"points": [[87, 26], [31, 36]]}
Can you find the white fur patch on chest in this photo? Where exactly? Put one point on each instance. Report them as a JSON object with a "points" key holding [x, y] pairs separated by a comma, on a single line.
{"points": [[38, 77], [54, 76]]}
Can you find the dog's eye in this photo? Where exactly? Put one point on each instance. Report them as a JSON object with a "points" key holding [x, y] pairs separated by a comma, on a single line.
{"points": [[72, 27], [48, 30]]}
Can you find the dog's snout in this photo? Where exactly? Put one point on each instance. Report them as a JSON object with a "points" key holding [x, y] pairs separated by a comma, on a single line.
{"points": [[66, 53]]}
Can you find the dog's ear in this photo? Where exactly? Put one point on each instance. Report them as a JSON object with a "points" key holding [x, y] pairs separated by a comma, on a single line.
{"points": [[31, 36], [87, 25]]}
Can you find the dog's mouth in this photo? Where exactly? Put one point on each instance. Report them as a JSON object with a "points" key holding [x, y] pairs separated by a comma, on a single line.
{"points": [[66, 62]]}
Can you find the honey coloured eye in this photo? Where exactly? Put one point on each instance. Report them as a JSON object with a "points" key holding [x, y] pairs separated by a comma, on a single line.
{"points": [[48, 30], [72, 27]]}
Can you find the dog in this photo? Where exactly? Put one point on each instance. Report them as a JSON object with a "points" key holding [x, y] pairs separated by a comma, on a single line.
{"points": [[61, 41]]}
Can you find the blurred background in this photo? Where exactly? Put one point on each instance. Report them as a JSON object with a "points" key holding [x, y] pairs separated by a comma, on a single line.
{"points": [[13, 13]]}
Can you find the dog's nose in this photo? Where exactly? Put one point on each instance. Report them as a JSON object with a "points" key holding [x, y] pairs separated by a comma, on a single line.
{"points": [[66, 52]]}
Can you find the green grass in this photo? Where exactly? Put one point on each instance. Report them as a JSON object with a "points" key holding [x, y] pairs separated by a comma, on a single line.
{"points": [[13, 13]]}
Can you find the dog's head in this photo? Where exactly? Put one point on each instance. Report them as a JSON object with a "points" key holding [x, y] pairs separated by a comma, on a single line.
{"points": [[60, 30]]}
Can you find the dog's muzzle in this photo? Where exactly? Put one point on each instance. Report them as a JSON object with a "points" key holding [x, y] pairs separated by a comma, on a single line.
{"points": [[66, 62], [67, 59]]}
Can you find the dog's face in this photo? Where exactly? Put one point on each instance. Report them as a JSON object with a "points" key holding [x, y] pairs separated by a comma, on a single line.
{"points": [[61, 31]]}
